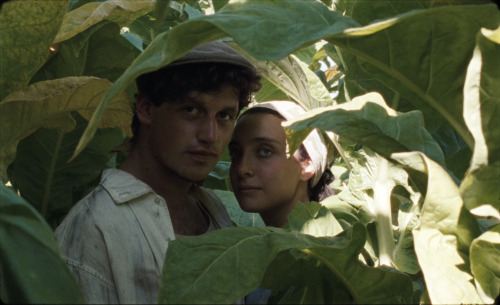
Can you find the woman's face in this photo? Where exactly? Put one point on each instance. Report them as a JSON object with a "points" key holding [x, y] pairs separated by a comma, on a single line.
{"points": [[264, 180]]}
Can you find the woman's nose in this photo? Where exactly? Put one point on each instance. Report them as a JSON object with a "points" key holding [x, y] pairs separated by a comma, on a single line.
{"points": [[244, 166]]}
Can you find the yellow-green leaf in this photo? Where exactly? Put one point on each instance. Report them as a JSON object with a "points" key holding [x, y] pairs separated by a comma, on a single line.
{"points": [[49, 103]]}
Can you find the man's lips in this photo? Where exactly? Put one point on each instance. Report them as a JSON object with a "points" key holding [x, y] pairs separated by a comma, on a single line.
{"points": [[203, 155]]}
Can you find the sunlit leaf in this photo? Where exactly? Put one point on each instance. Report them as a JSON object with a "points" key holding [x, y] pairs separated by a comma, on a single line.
{"points": [[289, 76], [27, 29], [485, 264], [369, 121], [121, 12], [398, 52], [49, 104], [481, 111], [444, 236], [237, 20]]}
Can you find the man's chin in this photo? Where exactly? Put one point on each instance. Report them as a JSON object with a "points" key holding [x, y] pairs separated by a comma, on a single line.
{"points": [[198, 178]]}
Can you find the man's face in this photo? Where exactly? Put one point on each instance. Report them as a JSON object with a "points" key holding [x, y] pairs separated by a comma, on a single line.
{"points": [[186, 138]]}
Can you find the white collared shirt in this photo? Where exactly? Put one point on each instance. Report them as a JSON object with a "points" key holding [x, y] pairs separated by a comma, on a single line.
{"points": [[115, 239]]}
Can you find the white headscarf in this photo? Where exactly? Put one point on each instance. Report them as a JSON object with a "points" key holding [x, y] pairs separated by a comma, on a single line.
{"points": [[314, 143]]}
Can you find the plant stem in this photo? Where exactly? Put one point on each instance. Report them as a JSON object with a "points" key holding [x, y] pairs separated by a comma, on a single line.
{"points": [[382, 209], [50, 175]]}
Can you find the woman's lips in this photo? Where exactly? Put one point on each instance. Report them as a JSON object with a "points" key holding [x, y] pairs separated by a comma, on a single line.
{"points": [[248, 188]]}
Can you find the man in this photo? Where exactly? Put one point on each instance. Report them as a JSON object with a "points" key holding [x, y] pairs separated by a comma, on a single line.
{"points": [[115, 239]]}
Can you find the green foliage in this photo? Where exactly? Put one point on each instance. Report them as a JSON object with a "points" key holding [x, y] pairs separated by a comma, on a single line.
{"points": [[408, 89], [248, 252], [32, 270], [25, 42]]}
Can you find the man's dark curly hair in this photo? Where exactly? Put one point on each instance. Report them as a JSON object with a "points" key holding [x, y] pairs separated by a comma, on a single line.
{"points": [[173, 83]]}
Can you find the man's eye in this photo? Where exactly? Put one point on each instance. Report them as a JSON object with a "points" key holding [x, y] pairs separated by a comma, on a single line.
{"points": [[225, 116], [191, 110]]}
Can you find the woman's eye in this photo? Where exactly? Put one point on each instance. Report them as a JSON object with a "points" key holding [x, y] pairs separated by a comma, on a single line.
{"points": [[264, 152]]}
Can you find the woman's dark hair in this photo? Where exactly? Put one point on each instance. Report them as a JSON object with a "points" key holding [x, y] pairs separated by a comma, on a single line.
{"points": [[173, 83], [322, 189]]}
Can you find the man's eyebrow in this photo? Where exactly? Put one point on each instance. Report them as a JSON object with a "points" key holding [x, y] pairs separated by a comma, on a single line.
{"points": [[230, 108]]}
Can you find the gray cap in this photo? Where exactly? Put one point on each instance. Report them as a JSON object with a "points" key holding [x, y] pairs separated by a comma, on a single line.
{"points": [[215, 51]]}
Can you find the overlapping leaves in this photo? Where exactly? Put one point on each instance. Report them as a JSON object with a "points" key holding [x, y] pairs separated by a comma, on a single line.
{"points": [[249, 252]]}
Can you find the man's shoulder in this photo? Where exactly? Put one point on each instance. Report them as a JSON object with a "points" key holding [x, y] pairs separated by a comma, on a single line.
{"points": [[122, 186], [115, 188]]}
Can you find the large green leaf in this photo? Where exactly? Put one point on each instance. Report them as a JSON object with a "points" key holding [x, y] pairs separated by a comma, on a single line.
{"points": [[93, 52], [121, 12], [49, 104], [409, 55], [44, 177], [314, 219], [32, 270], [369, 121], [266, 29], [485, 264], [482, 99], [481, 111], [443, 239], [196, 269], [289, 76], [312, 283], [238, 216], [368, 11], [27, 29]]}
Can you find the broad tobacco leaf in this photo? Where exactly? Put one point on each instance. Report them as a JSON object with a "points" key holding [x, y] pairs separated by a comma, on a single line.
{"points": [[485, 264], [266, 29], [121, 12], [370, 122], [27, 30], [481, 112], [314, 219], [289, 76], [44, 177], [225, 265], [93, 52], [445, 234], [49, 104], [238, 216], [370, 11], [397, 51], [32, 270]]}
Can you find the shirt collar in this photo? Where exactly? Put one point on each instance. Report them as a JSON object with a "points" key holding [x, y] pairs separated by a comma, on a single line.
{"points": [[122, 186]]}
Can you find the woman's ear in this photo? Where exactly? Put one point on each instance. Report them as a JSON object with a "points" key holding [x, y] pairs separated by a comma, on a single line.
{"points": [[143, 109], [308, 169]]}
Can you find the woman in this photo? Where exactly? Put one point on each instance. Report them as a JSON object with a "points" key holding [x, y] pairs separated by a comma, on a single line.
{"points": [[265, 179]]}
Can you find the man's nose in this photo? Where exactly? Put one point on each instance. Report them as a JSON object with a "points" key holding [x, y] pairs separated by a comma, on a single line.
{"points": [[208, 130]]}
